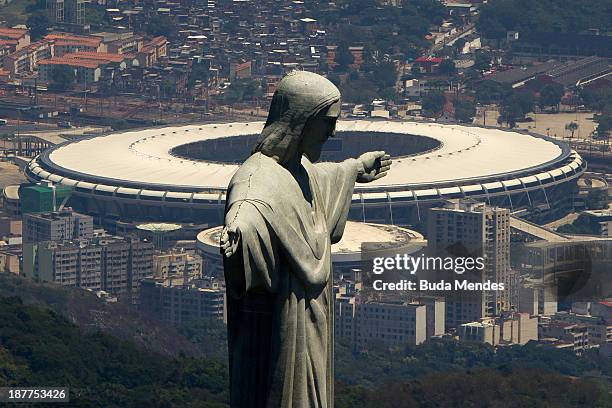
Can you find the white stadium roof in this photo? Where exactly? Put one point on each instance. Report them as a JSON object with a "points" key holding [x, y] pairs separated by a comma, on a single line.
{"points": [[142, 160]]}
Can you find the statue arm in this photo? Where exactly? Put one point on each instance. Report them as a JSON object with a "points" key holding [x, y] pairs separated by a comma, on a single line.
{"points": [[336, 182], [249, 249]]}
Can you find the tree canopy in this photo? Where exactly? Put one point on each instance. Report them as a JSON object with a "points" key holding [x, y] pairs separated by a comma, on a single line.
{"points": [[527, 16]]}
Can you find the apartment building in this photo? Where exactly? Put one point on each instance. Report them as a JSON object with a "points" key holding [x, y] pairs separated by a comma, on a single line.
{"points": [[66, 43], [470, 229], [174, 263], [25, 60], [56, 226], [14, 38], [89, 67], [112, 264], [177, 302], [390, 323]]}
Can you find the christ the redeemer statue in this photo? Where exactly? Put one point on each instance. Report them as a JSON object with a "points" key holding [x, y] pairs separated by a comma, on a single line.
{"points": [[283, 212]]}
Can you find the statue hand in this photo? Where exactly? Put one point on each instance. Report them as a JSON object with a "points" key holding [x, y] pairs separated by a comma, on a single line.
{"points": [[230, 239], [374, 166]]}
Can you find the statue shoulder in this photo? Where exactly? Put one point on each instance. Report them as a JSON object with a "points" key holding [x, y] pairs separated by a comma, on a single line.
{"points": [[259, 177]]}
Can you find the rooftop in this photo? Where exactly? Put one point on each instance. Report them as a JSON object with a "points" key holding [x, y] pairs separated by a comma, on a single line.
{"points": [[12, 33]]}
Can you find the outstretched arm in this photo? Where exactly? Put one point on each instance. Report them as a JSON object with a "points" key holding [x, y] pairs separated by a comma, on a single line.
{"points": [[374, 165]]}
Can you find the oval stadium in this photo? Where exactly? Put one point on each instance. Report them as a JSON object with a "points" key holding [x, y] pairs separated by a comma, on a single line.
{"points": [[180, 174]]}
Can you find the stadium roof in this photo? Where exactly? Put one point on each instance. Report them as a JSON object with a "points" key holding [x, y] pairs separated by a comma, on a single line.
{"points": [[142, 158]]}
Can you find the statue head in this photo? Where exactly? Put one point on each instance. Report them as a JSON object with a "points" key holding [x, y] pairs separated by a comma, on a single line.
{"points": [[302, 116]]}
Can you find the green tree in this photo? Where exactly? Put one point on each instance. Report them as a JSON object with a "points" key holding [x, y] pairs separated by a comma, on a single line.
{"points": [[482, 61], [38, 23], [62, 77], [515, 106], [550, 95], [167, 89], [447, 67], [491, 92], [464, 110], [161, 25], [343, 58], [572, 127], [604, 123], [433, 103]]}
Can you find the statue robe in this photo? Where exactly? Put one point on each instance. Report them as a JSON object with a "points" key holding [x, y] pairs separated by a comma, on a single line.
{"points": [[279, 283]]}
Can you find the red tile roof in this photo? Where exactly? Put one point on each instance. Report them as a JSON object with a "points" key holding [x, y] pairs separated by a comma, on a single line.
{"points": [[12, 33], [70, 39]]}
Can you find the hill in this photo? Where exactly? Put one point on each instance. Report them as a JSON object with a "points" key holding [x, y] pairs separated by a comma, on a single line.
{"points": [[40, 347], [87, 311]]}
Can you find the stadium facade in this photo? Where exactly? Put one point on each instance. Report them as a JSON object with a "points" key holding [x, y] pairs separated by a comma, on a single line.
{"points": [[180, 174]]}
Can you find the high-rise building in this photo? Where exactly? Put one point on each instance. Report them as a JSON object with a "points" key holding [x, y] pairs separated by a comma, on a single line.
{"points": [[113, 264], [56, 226], [471, 229], [67, 11], [390, 323]]}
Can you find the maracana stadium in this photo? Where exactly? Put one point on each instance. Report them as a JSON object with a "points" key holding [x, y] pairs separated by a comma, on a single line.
{"points": [[180, 174]]}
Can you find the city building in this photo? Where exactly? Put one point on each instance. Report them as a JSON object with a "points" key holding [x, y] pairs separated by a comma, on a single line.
{"points": [[88, 67], [576, 266], [471, 229], [537, 299], [25, 60], [485, 331], [10, 258], [56, 226], [564, 335], [518, 328], [10, 227], [66, 43], [14, 38], [177, 263], [390, 323], [112, 264], [40, 198], [67, 11], [178, 302], [152, 51]]}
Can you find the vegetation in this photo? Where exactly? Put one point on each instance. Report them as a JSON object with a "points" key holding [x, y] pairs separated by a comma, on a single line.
{"points": [[600, 100], [161, 25], [482, 60], [38, 23], [376, 365], [572, 127], [433, 103], [243, 90], [447, 67], [377, 80], [527, 16], [39, 346], [18, 11], [515, 106], [550, 95], [464, 110], [384, 28], [480, 389], [62, 78]]}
